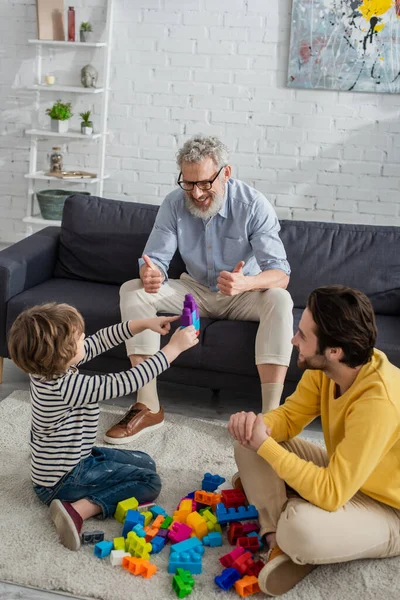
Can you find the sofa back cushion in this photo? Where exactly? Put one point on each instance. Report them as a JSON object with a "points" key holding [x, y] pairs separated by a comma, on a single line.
{"points": [[366, 257], [101, 240]]}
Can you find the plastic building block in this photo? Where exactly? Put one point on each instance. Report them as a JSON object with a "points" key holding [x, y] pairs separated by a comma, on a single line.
{"points": [[187, 545], [184, 510], [256, 535], [211, 482], [198, 524], [190, 560], [146, 506], [138, 546], [163, 533], [227, 560], [255, 568], [190, 313], [151, 533], [166, 523], [157, 544], [157, 510], [224, 486], [233, 498], [119, 543], [249, 543], [148, 517], [157, 522], [179, 532], [123, 507], [227, 578], [250, 528], [247, 586], [103, 549], [235, 530], [182, 583], [116, 557], [241, 513], [138, 529], [207, 498], [243, 562], [139, 566], [92, 537], [212, 539]]}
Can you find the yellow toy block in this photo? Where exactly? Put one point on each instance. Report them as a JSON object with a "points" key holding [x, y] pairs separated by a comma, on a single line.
{"points": [[119, 543], [184, 510], [148, 516], [208, 516], [123, 507], [138, 546], [198, 524]]}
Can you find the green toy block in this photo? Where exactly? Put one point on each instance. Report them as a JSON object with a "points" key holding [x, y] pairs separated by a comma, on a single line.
{"points": [[202, 510], [182, 583], [123, 507], [166, 523]]}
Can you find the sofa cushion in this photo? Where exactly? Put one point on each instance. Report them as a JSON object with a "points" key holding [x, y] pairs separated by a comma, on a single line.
{"points": [[101, 240], [359, 256]]}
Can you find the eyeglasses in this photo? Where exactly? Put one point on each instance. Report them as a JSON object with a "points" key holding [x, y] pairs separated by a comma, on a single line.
{"points": [[188, 186]]}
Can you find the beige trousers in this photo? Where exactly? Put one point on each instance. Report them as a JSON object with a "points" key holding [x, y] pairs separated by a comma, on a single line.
{"points": [[271, 308], [363, 528]]}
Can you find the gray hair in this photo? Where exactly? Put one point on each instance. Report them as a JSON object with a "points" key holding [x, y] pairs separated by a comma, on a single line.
{"points": [[201, 147]]}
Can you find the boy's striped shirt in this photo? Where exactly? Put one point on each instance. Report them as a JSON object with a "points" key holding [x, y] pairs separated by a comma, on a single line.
{"points": [[65, 410]]}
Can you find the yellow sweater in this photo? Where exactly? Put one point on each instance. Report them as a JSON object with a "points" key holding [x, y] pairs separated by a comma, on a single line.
{"points": [[362, 435]]}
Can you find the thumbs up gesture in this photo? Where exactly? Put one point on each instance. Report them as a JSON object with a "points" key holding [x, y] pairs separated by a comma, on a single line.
{"points": [[233, 283], [150, 275]]}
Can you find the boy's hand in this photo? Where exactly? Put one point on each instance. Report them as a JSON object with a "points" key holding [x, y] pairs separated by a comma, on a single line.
{"points": [[248, 429], [161, 324], [182, 340], [151, 276]]}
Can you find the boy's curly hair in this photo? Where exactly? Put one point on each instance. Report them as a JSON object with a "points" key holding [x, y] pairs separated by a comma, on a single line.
{"points": [[43, 339]]}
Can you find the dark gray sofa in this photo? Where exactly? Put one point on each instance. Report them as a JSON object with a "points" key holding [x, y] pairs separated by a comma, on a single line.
{"points": [[96, 249]]}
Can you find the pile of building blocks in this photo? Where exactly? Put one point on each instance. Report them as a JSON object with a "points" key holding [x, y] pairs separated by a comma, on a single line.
{"points": [[196, 525], [190, 314]]}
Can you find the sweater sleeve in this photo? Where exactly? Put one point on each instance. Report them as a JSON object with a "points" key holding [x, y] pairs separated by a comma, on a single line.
{"points": [[299, 409], [105, 339], [370, 430]]}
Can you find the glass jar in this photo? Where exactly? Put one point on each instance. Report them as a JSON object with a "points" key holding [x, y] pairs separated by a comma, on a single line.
{"points": [[56, 160]]}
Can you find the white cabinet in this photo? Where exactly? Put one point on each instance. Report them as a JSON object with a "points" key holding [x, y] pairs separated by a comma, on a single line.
{"points": [[42, 139]]}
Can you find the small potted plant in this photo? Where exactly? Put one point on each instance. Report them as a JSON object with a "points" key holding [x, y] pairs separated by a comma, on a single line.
{"points": [[59, 114], [86, 123], [85, 31]]}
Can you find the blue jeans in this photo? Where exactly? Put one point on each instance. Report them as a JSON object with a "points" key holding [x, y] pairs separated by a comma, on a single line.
{"points": [[107, 477]]}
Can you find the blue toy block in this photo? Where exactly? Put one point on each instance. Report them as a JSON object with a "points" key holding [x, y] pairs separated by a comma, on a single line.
{"points": [[157, 510], [190, 560], [186, 545], [227, 579], [191, 495], [138, 529], [211, 482], [133, 518], [242, 513], [157, 544], [92, 537], [103, 549], [213, 539]]}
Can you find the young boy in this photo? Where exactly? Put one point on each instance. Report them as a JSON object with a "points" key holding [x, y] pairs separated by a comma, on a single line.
{"points": [[77, 479]]}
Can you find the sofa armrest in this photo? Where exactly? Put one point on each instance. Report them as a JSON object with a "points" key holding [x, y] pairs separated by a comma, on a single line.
{"points": [[24, 265]]}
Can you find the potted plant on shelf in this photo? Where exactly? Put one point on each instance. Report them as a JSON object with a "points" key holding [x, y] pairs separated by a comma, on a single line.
{"points": [[85, 31], [59, 115], [86, 124]]}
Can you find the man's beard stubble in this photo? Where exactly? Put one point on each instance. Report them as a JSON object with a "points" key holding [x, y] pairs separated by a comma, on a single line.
{"points": [[215, 206]]}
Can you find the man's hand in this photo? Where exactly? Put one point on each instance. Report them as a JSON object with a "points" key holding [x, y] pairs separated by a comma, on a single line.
{"points": [[231, 284], [151, 276], [249, 429]]}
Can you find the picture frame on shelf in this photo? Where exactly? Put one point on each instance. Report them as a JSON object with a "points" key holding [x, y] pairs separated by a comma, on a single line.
{"points": [[50, 20]]}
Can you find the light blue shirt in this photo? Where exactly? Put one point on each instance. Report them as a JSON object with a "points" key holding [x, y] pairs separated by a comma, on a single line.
{"points": [[246, 228]]}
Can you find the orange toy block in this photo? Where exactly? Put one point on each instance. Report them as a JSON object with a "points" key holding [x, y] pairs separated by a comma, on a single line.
{"points": [[207, 498], [157, 522], [184, 510], [139, 566], [151, 532], [198, 524], [247, 586]]}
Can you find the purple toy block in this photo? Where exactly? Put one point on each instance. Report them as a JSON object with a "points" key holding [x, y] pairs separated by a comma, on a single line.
{"points": [[186, 318], [190, 303], [227, 578], [163, 533]]}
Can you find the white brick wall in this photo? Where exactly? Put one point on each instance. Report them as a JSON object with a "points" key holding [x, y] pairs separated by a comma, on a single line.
{"points": [[181, 67]]}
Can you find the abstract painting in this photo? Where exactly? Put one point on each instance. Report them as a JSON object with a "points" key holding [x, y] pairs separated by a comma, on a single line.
{"points": [[351, 45]]}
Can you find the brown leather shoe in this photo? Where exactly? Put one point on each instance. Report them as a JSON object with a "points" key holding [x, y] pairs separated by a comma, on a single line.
{"points": [[139, 419]]}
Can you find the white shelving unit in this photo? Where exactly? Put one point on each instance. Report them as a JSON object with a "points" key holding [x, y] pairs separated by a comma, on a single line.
{"points": [[37, 133]]}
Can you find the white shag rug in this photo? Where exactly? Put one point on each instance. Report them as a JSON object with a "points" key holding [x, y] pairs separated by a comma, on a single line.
{"points": [[184, 449]]}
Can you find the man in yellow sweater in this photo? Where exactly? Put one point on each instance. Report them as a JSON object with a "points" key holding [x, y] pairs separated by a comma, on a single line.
{"points": [[311, 500]]}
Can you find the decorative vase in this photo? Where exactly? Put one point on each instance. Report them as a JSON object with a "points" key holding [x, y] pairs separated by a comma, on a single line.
{"points": [[85, 36], [51, 202], [59, 126], [87, 128]]}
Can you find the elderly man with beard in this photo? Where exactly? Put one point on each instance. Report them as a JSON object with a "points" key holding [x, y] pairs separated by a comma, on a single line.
{"points": [[228, 236]]}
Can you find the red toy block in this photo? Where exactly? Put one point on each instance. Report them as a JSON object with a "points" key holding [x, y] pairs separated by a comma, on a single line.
{"points": [[235, 530], [249, 543], [250, 528], [243, 562], [233, 498], [255, 568], [227, 560]]}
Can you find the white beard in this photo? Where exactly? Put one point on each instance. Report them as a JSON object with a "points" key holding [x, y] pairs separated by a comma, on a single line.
{"points": [[215, 206]]}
